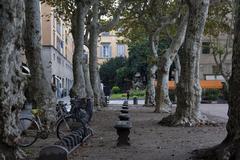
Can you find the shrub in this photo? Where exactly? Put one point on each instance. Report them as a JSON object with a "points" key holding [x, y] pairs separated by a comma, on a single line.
{"points": [[137, 93], [116, 89], [124, 95], [211, 94]]}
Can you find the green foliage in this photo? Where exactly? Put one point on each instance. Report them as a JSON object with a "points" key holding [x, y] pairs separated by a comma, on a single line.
{"points": [[118, 96], [120, 71], [108, 70], [116, 89], [139, 57], [137, 93], [142, 18], [62, 8], [123, 77], [219, 19], [211, 94]]}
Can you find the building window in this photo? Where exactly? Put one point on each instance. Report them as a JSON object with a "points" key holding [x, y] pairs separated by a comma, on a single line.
{"points": [[53, 57], [62, 82], [66, 38], [105, 33], [59, 60], [62, 30], [121, 50], [215, 69], [59, 27], [54, 21], [205, 47], [59, 44], [106, 50], [66, 52], [54, 37]]}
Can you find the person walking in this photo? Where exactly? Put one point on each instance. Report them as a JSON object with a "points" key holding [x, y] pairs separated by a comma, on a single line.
{"points": [[128, 95]]}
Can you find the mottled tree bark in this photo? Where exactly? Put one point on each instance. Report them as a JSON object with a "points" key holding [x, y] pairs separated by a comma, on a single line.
{"points": [[11, 80], [150, 91], [93, 66], [95, 29], [163, 102], [89, 90], [177, 69], [79, 88], [229, 149], [153, 42], [188, 88], [39, 92]]}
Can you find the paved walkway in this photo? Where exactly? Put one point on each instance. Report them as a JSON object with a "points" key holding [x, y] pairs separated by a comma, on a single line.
{"points": [[219, 110]]}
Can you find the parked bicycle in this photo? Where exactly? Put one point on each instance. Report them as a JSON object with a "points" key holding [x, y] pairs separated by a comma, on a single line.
{"points": [[33, 128]]}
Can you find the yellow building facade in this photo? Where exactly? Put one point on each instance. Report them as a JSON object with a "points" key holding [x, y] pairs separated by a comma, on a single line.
{"points": [[110, 46], [57, 50]]}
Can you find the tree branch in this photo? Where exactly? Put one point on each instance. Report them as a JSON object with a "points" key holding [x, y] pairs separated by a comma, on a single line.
{"points": [[179, 38], [116, 18]]}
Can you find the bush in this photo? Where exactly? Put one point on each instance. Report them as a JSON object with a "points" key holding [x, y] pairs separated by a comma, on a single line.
{"points": [[137, 93], [124, 95], [116, 89], [211, 94]]}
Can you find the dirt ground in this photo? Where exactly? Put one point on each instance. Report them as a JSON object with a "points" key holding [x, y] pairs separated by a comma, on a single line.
{"points": [[149, 141]]}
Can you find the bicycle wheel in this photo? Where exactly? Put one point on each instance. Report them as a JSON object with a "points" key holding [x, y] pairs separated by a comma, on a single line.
{"points": [[29, 131], [66, 125]]}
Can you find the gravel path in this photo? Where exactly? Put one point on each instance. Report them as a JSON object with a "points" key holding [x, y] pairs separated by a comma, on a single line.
{"points": [[149, 141]]}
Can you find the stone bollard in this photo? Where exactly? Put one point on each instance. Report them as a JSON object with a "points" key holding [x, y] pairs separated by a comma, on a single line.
{"points": [[135, 101], [124, 117], [123, 131], [125, 103], [124, 111], [125, 107]]}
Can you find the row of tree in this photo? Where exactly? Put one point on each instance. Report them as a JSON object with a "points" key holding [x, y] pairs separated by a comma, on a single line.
{"points": [[184, 22], [86, 21], [20, 34]]}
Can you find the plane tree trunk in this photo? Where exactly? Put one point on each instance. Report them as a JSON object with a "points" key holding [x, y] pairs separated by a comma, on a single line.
{"points": [[150, 91], [89, 90], [11, 80], [177, 69], [39, 86], [229, 149], [188, 88], [163, 102], [95, 29], [153, 42], [93, 66], [79, 88]]}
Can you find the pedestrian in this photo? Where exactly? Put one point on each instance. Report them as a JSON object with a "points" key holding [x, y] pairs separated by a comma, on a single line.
{"points": [[128, 95]]}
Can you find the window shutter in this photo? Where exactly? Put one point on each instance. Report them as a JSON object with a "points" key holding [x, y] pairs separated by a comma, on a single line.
{"points": [[101, 51], [110, 51]]}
